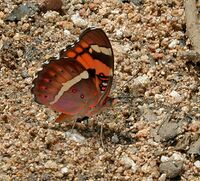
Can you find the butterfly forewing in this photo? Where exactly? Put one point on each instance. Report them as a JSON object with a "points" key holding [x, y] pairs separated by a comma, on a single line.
{"points": [[94, 51]]}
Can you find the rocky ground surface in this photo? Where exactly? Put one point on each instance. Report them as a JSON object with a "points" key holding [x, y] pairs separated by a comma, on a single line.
{"points": [[151, 134]]}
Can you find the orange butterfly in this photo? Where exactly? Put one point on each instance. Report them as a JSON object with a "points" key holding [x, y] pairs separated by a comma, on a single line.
{"points": [[77, 84]]}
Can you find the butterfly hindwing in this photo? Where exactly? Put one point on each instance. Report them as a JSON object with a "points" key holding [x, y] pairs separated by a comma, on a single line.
{"points": [[64, 82]]}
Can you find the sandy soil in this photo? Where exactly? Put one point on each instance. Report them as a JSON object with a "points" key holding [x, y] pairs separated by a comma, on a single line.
{"points": [[152, 133]]}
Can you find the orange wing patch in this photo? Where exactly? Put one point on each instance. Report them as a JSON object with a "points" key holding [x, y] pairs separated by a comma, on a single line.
{"points": [[83, 62], [89, 63], [83, 44], [78, 49], [101, 67], [71, 54]]}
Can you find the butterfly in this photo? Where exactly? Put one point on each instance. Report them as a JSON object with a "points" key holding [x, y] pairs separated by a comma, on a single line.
{"points": [[78, 83]]}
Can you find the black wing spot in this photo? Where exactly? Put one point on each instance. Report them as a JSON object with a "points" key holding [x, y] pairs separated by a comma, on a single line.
{"points": [[92, 72]]}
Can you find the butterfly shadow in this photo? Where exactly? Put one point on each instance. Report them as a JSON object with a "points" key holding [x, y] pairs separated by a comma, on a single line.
{"points": [[91, 128]]}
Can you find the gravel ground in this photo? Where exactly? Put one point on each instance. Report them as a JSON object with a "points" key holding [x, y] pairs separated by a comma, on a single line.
{"points": [[151, 134]]}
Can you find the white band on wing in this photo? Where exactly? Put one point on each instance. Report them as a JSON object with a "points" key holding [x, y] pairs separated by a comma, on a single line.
{"points": [[67, 85], [98, 49]]}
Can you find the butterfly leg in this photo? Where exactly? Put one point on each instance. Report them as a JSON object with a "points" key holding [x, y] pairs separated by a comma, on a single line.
{"points": [[101, 135], [79, 120]]}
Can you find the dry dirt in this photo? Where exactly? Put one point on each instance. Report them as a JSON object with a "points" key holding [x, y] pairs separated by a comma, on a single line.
{"points": [[151, 134]]}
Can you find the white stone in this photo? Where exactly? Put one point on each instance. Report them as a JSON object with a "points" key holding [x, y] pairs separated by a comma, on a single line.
{"points": [[164, 158], [149, 179], [163, 177], [51, 14], [197, 164], [64, 170], [145, 168], [78, 21], [67, 32], [115, 11], [177, 97], [142, 80], [173, 43], [1, 44], [128, 162], [75, 136], [51, 164], [119, 33], [177, 156]]}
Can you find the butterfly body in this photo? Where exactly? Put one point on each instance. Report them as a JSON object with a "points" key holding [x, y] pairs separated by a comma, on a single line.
{"points": [[77, 84]]}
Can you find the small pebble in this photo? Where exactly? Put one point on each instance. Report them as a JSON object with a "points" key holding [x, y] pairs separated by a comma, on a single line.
{"points": [[176, 96], [67, 33], [64, 170], [51, 15], [177, 156], [164, 158], [163, 177], [129, 163], [197, 164], [115, 138], [54, 5], [142, 80], [78, 21], [51, 164], [41, 116], [171, 168], [173, 44], [75, 136], [1, 44]]}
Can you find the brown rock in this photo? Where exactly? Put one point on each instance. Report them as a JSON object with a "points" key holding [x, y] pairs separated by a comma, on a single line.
{"points": [[158, 56], [54, 5]]}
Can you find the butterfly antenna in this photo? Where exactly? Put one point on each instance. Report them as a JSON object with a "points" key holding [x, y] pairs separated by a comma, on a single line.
{"points": [[125, 83]]}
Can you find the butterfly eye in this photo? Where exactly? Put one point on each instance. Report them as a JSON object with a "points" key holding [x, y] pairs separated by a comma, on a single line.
{"points": [[82, 96]]}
